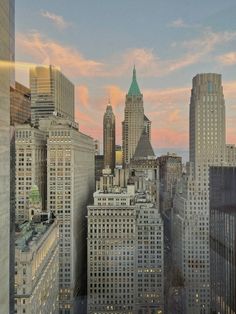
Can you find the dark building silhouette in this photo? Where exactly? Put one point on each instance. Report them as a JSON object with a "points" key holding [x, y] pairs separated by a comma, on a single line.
{"points": [[109, 138]]}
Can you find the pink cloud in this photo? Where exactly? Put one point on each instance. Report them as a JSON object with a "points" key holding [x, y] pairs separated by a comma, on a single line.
{"points": [[47, 51], [227, 58], [82, 95]]}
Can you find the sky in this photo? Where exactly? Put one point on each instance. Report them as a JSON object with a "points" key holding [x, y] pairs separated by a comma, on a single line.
{"points": [[97, 42]]}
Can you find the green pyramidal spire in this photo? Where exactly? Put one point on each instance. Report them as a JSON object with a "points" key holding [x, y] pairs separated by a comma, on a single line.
{"points": [[134, 89]]}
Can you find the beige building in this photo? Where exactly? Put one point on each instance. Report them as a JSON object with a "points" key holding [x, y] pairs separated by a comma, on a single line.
{"points": [[191, 250], [133, 124], [51, 93], [37, 268], [70, 182], [31, 163], [109, 138], [125, 249]]}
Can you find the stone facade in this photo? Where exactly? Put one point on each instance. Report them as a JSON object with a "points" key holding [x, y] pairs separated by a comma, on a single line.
{"points": [[37, 268]]}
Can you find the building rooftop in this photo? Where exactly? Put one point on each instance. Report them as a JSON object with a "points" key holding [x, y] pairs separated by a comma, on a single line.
{"points": [[30, 232], [144, 148], [134, 88]]}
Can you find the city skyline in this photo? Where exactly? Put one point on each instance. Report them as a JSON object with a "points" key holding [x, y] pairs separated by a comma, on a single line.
{"points": [[186, 40]]}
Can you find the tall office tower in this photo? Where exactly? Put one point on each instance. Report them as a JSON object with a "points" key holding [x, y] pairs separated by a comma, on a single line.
{"points": [[207, 123], [223, 239], [170, 170], [20, 111], [31, 166], [6, 77], [70, 181], [37, 267], [109, 138], [191, 210], [133, 124], [51, 92]]}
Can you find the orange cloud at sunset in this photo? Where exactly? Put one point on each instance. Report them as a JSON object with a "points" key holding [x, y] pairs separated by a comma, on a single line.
{"points": [[82, 95], [47, 51], [116, 95]]}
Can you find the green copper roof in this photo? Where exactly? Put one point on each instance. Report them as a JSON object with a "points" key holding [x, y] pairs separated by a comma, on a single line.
{"points": [[134, 89]]}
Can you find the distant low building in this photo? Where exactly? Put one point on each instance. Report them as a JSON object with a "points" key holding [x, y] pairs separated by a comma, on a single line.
{"points": [[119, 156], [20, 111]]}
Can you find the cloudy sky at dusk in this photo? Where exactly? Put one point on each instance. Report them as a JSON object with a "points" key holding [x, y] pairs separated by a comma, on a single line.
{"points": [[97, 42]]}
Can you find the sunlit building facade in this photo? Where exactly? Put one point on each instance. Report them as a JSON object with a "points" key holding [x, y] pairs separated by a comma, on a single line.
{"points": [[70, 181], [51, 93]]}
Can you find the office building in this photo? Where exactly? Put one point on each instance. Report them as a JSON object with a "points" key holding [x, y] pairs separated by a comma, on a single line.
{"points": [[170, 170], [6, 78], [51, 93], [37, 267], [20, 104], [119, 156], [134, 121], [31, 167], [109, 138], [125, 250], [222, 239], [70, 182], [191, 249]]}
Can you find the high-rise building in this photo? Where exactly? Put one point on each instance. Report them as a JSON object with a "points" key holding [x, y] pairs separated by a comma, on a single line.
{"points": [[20, 104], [134, 121], [37, 267], [51, 93], [207, 123], [31, 167], [125, 250], [170, 170], [222, 239], [109, 138], [191, 249], [6, 78], [70, 184]]}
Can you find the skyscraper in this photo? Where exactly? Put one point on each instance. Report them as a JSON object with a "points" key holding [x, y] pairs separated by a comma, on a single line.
{"points": [[133, 124], [207, 123], [51, 92], [191, 249], [109, 138], [6, 54], [70, 181]]}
